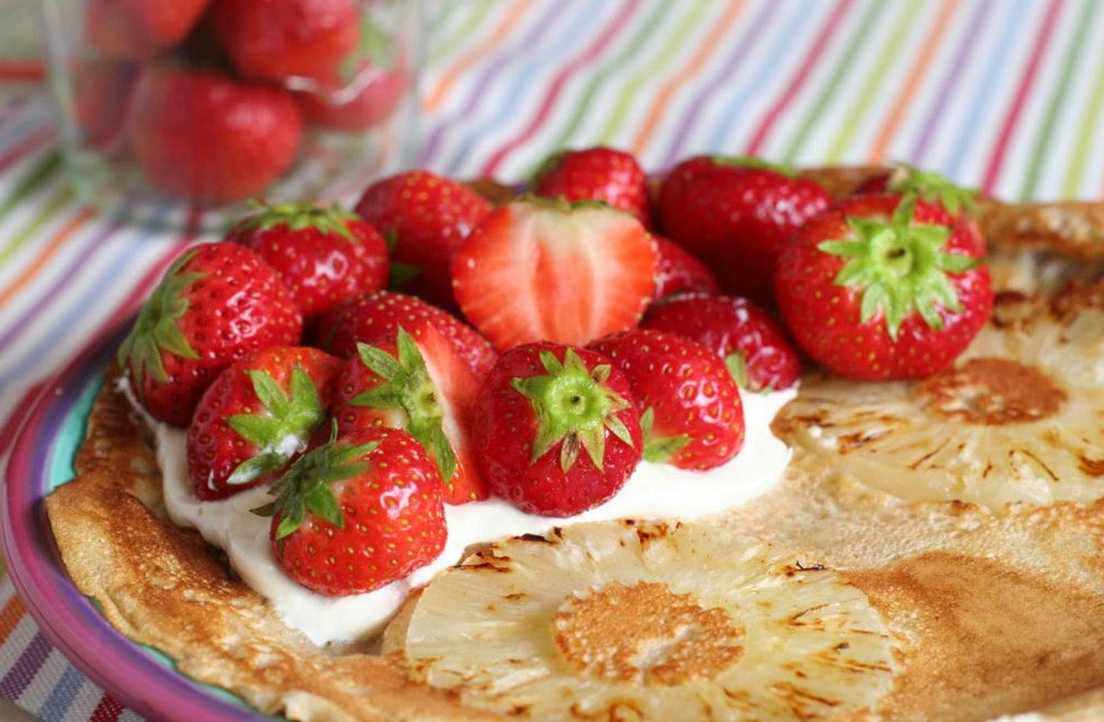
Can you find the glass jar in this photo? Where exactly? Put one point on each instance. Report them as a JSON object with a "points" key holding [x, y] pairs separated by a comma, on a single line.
{"points": [[175, 113]]}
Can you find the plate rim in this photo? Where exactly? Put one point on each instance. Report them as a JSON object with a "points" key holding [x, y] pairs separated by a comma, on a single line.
{"points": [[67, 618]]}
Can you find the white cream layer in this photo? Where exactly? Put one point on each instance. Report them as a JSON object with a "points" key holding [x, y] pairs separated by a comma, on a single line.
{"points": [[653, 491]]}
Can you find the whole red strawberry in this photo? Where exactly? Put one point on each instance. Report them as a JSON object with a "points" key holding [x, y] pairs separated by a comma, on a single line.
{"points": [[217, 303], [679, 272], [736, 215], [374, 317], [423, 386], [357, 513], [202, 136], [136, 29], [257, 415], [539, 269], [599, 174], [555, 429], [426, 217], [692, 414], [884, 287], [324, 254], [745, 336], [279, 39]]}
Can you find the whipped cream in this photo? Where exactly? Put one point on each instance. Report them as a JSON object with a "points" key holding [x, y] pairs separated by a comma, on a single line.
{"points": [[653, 491]]}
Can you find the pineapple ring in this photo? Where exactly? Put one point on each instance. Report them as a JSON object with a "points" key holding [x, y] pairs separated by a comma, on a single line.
{"points": [[629, 620], [1019, 418]]}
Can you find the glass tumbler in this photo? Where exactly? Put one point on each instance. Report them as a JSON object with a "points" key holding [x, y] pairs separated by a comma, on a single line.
{"points": [[175, 113]]}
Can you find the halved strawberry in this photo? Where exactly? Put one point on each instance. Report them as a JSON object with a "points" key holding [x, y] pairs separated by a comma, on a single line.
{"points": [[423, 386], [549, 270]]}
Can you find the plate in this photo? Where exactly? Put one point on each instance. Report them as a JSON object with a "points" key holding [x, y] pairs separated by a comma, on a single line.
{"points": [[42, 459]]}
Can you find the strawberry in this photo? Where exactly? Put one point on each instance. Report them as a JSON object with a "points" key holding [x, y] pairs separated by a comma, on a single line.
{"points": [[189, 137], [692, 414], [217, 303], [357, 513], [426, 217], [735, 214], [256, 416], [424, 387], [884, 287], [599, 174], [543, 404], [364, 101], [323, 254], [751, 344], [928, 185], [539, 269], [376, 316], [280, 39], [101, 89], [136, 29], [680, 272]]}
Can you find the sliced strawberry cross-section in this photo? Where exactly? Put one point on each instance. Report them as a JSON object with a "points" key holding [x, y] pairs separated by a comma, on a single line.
{"points": [[540, 269]]}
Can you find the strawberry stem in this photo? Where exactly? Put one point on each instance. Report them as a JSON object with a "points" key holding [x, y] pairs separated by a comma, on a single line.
{"points": [[573, 406], [899, 266]]}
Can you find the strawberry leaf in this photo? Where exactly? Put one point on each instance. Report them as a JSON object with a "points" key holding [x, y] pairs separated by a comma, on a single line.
{"points": [[401, 273], [660, 450], [932, 187], [157, 330], [282, 429], [737, 368], [573, 407], [405, 385], [332, 220], [899, 267]]}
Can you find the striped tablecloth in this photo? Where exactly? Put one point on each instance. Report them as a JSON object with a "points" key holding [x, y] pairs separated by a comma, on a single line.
{"points": [[1006, 95]]}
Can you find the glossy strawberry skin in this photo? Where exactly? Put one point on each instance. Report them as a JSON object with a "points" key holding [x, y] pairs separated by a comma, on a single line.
{"points": [[689, 390], [381, 90], [736, 219], [726, 325], [394, 522], [321, 268], [539, 269], [187, 134], [680, 272], [427, 217], [136, 29], [375, 317], [600, 174], [237, 306], [455, 389], [824, 319], [505, 425], [214, 448], [279, 39]]}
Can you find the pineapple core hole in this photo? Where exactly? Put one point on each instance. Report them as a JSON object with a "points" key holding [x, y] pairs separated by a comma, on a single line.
{"points": [[992, 392], [644, 633]]}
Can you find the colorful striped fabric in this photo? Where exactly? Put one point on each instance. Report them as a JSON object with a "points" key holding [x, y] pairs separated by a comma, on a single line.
{"points": [[1006, 95]]}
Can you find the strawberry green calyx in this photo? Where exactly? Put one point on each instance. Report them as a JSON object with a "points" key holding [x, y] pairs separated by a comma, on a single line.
{"points": [[737, 368], [659, 449], [298, 216], [549, 164], [750, 161], [156, 328], [281, 432], [900, 267], [399, 273], [307, 485], [408, 387], [573, 405], [563, 205], [932, 187]]}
